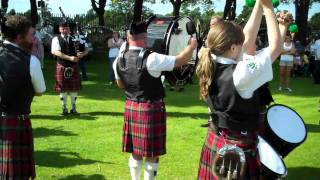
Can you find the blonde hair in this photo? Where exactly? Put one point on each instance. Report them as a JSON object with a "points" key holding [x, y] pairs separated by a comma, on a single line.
{"points": [[219, 40]]}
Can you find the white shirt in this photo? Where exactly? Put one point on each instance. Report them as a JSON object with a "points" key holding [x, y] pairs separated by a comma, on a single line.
{"points": [[251, 72], [156, 63], [37, 79], [287, 48], [55, 45], [114, 51]]}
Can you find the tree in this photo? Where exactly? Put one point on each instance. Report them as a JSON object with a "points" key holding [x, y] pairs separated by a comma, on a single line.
{"points": [[34, 12], [230, 10], [315, 21], [245, 13], [98, 7], [178, 3], [137, 10], [302, 12], [121, 13], [4, 4]]}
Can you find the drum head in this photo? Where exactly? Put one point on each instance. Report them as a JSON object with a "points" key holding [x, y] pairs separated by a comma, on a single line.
{"points": [[169, 36], [177, 40], [286, 124], [270, 159]]}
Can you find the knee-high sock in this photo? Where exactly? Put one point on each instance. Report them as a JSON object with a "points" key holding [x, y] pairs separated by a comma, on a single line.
{"points": [[73, 96], [150, 170], [135, 168], [63, 99]]}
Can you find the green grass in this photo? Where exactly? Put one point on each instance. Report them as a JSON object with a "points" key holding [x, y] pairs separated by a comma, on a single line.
{"points": [[89, 146]]}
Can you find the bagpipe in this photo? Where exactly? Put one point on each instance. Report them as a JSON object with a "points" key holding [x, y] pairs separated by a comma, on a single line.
{"points": [[169, 36]]}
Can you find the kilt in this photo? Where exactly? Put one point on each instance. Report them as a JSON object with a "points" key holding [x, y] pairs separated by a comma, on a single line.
{"points": [[62, 83], [214, 142], [16, 152], [144, 129]]}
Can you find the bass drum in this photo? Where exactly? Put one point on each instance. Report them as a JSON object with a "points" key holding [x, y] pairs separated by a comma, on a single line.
{"points": [[168, 35]]}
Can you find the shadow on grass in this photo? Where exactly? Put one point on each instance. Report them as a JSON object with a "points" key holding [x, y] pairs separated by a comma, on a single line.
{"points": [[60, 117], [313, 128], [84, 177], [189, 116], [45, 132], [82, 116], [298, 173], [58, 159]]}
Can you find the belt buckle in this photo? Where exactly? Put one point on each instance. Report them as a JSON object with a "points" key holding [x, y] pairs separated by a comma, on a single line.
{"points": [[3, 114]]}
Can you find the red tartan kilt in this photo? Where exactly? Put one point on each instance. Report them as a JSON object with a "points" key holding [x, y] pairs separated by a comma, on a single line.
{"points": [[144, 129], [214, 142], [16, 152], [63, 84]]}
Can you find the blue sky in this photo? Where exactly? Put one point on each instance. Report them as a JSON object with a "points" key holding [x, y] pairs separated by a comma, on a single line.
{"points": [[82, 6]]}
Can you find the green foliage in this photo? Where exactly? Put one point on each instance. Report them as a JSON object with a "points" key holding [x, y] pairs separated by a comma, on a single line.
{"points": [[315, 21], [245, 14]]}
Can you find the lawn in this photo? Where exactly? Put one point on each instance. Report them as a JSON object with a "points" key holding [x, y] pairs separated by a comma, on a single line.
{"points": [[89, 146]]}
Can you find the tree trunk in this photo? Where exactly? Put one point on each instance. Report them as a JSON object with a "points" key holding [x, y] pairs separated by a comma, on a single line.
{"points": [[34, 12], [302, 9], [99, 10], [4, 3], [101, 18], [176, 8], [230, 10], [137, 11]]}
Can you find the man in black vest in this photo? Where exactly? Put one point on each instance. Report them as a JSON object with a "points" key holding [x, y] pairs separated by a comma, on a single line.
{"points": [[138, 72], [67, 72], [21, 79]]}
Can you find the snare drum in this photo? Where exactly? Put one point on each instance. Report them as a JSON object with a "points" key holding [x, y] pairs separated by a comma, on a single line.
{"points": [[272, 164], [168, 35], [284, 129]]}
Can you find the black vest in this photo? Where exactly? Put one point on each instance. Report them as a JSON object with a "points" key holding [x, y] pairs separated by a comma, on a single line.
{"points": [[139, 84], [17, 90], [68, 48], [230, 110]]}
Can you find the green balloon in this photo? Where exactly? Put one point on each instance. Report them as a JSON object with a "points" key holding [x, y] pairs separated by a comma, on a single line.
{"points": [[293, 28], [275, 3], [250, 3]]}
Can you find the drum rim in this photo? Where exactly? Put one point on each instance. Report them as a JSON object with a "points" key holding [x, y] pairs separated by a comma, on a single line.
{"points": [[284, 164], [305, 127]]}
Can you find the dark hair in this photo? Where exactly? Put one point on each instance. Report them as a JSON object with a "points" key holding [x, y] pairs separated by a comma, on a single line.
{"points": [[16, 25]]}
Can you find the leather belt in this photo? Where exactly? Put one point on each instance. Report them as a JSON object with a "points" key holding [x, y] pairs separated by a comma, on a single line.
{"points": [[245, 141]]}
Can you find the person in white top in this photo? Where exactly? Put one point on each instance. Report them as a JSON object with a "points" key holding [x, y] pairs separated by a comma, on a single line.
{"points": [[21, 79], [114, 44], [286, 63], [230, 78], [138, 72], [316, 72]]}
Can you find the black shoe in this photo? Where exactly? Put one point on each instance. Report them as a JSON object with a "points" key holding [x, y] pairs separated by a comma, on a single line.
{"points": [[204, 125], [74, 112], [64, 112]]}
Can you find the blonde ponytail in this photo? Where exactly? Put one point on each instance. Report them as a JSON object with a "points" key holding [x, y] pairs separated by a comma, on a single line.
{"points": [[205, 72]]}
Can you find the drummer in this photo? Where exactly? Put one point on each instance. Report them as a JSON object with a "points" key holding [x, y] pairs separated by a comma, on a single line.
{"points": [[230, 82], [138, 71]]}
